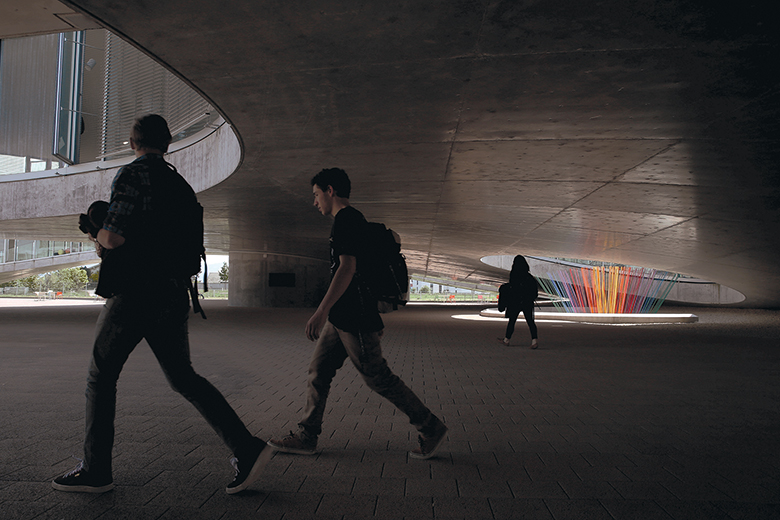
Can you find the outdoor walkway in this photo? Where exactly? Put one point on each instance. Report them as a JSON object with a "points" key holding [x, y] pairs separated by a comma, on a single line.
{"points": [[603, 422]]}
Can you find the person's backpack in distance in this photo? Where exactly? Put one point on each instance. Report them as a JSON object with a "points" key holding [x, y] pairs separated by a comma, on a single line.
{"points": [[511, 296], [383, 267], [183, 248], [503, 296]]}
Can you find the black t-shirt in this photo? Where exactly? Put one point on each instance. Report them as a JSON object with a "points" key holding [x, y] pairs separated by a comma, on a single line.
{"points": [[356, 310]]}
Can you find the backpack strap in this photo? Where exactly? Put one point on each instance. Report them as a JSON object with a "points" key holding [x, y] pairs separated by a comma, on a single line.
{"points": [[194, 297], [205, 272], [193, 288]]}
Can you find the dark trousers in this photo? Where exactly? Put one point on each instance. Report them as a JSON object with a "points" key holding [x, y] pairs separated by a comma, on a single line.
{"points": [[334, 346], [161, 319], [528, 313]]}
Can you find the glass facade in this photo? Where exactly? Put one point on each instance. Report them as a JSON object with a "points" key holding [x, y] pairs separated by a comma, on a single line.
{"points": [[10, 164], [102, 84], [22, 250]]}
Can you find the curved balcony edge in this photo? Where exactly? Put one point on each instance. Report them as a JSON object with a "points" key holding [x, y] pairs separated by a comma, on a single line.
{"points": [[204, 159], [684, 290]]}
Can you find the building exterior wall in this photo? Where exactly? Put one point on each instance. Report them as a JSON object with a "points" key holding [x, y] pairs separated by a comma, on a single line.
{"points": [[250, 275], [28, 88]]}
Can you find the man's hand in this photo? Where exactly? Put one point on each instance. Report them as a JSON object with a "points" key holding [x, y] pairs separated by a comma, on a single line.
{"points": [[315, 324], [338, 285], [98, 248]]}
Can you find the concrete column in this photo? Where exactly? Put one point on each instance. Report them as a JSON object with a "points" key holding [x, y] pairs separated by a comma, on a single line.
{"points": [[273, 280]]}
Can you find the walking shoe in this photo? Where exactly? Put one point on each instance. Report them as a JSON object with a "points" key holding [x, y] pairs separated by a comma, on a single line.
{"points": [[293, 443], [534, 343], [78, 480], [429, 445], [248, 469], [505, 341]]}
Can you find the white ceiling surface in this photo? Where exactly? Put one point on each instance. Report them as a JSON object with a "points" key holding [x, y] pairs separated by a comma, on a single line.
{"points": [[642, 132]]}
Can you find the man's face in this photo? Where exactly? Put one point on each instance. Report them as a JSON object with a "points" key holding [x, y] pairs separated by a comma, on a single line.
{"points": [[323, 200]]}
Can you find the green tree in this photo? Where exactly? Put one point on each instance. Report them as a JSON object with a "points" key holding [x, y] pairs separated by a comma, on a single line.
{"points": [[224, 272], [67, 279], [32, 282]]}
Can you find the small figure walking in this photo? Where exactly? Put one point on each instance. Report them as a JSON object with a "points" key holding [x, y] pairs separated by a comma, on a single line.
{"points": [[519, 295]]}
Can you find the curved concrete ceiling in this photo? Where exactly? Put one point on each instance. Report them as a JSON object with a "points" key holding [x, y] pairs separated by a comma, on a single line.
{"points": [[642, 133]]}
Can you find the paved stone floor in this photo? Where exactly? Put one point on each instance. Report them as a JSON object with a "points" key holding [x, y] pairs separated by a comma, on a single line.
{"points": [[603, 422]]}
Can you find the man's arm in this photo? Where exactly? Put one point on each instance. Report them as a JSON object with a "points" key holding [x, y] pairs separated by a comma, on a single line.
{"points": [[125, 196], [338, 285], [109, 239]]}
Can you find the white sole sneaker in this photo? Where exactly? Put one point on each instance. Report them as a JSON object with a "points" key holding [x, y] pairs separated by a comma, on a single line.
{"points": [[254, 473], [83, 489]]}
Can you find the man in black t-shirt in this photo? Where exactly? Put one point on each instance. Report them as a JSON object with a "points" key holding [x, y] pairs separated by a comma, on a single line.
{"points": [[347, 325]]}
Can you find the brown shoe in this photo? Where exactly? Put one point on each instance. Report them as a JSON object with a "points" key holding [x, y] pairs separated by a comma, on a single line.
{"points": [[294, 444], [429, 445]]}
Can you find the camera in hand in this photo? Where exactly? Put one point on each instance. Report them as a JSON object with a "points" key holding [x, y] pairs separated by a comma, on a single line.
{"points": [[92, 221]]}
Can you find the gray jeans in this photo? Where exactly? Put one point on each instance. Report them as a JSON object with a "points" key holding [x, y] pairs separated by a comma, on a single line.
{"points": [[364, 350]]}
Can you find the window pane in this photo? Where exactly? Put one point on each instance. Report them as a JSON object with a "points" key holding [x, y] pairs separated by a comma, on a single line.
{"points": [[67, 128], [24, 250]]}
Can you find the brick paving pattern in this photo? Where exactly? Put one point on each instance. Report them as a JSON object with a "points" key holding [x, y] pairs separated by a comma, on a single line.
{"points": [[602, 422]]}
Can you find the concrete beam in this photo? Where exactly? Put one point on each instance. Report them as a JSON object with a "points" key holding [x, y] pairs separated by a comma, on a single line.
{"points": [[14, 270]]}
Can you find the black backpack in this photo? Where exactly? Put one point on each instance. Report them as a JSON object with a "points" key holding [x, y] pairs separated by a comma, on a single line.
{"points": [[182, 247], [506, 297], [512, 295], [382, 267]]}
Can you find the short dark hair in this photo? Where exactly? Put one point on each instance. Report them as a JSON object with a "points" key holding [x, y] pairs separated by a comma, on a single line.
{"points": [[335, 177], [151, 131]]}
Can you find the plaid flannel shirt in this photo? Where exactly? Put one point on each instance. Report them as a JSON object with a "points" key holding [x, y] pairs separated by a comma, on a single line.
{"points": [[130, 192]]}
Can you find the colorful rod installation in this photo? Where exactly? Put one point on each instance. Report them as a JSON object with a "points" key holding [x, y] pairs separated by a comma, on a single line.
{"points": [[610, 289]]}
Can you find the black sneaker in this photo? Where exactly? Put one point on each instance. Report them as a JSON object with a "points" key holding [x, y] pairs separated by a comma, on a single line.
{"points": [[429, 445], [294, 443], [248, 469], [80, 481]]}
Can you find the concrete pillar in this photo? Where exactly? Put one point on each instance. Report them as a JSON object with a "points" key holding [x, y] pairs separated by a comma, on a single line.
{"points": [[273, 280]]}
